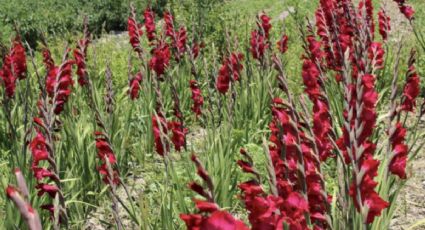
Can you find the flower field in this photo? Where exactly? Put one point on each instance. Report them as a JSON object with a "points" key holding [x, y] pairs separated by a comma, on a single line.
{"points": [[301, 116]]}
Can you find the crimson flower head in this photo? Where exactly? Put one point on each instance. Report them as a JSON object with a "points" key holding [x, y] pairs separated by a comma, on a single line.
{"points": [[210, 217], [181, 42], [169, 24], [14, 67], [160, 130], [80, 55], [229, 71], [406, 10], [197, 98], [376, 55], [135, 86], [47, 189], [7, 77], [135, 32], [160, 58], [178, 134], [258, 45], [105, 153], [282, 44], [63, 85], [411, 90], [18, 57], [399, 150], [150, 23], [265, 25], [384, 24], [38, 148]]}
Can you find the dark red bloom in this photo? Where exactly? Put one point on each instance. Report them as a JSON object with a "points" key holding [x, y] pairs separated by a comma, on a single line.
{"points": [[265, 25], [14, 67], [160, 58], [211, 217], [38, 149], [363, 182], [258, 45], [399, 151], [384, 24], [58, 80], [178, 134], [80, 55], [41, 173], [47, 188], [408, 12], [64, 85], [197, 98], [150, 23], [181, 42], [411, 90], [229, 71], [160, 131], [135, 86], [105, 153], [376, 55], [169, 24], [19, 62], [7, 77], [282, 44], [135, 32], [367, 4]]}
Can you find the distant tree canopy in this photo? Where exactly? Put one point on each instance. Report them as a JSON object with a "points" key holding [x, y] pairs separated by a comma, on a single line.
{"points": [[59, 17]]}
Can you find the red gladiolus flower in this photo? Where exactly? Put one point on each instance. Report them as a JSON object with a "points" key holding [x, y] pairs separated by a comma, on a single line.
{"points": [[14, 67], [179, 134], [41, 173], [363, 183], [105, 152], [80, 55], [384, 24], [398, 162], [265, 25], [58, 80], [406, 10], [229, 71], [27, 211], [19, 62], [197, 98], [135, 32], [8, 79], [47, 188], [135, 86], [376, 55], [64, 85], [411, 90], [181, 42], [282, 44], [258, 45], [178, 37], [160, 58], [169, 24], [150, 24], [160, 129], [369, 14], [38, 149]]}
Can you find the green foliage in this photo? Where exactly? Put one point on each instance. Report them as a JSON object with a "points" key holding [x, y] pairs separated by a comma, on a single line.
{"points": [[57, 18]]}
